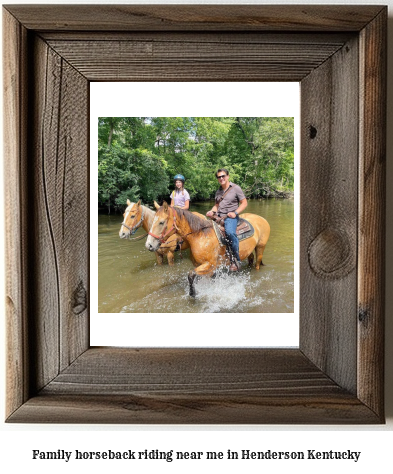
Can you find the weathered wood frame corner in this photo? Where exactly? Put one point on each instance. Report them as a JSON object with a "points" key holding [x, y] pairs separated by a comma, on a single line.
{"points": [[338, 54]]}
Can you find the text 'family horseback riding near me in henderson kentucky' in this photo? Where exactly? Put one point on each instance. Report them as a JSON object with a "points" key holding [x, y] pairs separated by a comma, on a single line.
{"points": [[173, 455]]}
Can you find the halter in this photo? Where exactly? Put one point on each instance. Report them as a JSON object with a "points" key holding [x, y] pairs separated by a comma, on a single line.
{"points": [[162, 238], [135, 227]]}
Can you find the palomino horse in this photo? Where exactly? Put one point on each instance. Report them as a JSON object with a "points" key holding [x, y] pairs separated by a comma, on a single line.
{"points": [[207, 253], [136, 216]]}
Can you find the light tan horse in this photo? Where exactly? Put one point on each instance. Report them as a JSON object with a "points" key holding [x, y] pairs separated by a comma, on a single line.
{"points": [[207, 253], [136, 216]]}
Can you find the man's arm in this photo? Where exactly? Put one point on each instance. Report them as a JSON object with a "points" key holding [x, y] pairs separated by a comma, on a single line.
{"points": [[212, 211], [242, 206]]}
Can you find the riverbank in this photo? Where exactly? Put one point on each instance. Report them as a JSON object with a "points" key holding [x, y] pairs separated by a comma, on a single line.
{"points": [[285, 195]]}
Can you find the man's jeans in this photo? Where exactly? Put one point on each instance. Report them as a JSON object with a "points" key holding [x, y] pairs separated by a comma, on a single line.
{"points": [[230, 230]]}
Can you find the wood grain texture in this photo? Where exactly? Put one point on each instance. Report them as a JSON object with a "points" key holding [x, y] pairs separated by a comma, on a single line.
{"points": [[239, 409], [207, 371], [61, 237], [184, 60], [15, 104], [52, 374], [195, 17], [372, 198], [201, 37], [193, 386], [329, 200]]}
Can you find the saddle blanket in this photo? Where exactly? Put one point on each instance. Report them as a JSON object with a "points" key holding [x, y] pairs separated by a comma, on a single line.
{"points": [[244, 230]]}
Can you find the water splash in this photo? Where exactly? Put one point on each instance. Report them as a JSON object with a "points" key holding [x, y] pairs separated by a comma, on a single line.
{"points": [[245, 291], [223, 293]]}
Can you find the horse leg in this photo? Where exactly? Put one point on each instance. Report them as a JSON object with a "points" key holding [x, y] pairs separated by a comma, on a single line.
{"points": [[251, 259], [159, 258], [171, 258], [191, 278], [206, 269], [259, 253]]}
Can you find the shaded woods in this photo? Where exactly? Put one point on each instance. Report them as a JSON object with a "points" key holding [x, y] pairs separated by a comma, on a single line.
{"points": [[138, 156]]}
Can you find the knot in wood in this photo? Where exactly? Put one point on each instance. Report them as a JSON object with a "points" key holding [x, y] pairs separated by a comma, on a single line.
{"points": [[364, 316], [80, 299], [331, 255], [313, 132]]}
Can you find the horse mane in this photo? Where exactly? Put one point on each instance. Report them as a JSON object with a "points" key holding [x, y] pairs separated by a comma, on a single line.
{"points": [[148, 210], [195, 222]]}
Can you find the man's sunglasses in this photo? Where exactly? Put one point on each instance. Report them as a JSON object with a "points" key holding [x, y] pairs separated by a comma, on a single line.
{"points": [[222, 176]]}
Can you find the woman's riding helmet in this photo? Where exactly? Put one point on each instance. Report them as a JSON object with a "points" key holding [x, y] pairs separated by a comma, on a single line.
{"points": [[180, 177]]}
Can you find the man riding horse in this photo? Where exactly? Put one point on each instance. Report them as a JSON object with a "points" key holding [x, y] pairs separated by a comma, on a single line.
{"points": [[230, 202]]}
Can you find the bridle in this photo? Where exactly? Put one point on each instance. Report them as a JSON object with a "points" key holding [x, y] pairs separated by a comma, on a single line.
{"points": [[164, 235], [135, 227]]}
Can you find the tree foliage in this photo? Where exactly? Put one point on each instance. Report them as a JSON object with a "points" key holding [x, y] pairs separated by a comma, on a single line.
{"points": [[138, 156]]}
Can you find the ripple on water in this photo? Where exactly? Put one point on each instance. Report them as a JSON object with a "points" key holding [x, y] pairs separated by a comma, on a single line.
{"points": [[131, 282], [246, 291]]}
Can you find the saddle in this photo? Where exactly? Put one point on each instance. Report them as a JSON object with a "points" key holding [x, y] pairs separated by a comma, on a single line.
{"points": [[244, 230]]}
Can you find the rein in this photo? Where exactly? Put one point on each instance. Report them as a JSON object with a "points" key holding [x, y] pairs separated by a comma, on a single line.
{"points": [[196, 231], [161, 237], [182, 237], [138, 238]]}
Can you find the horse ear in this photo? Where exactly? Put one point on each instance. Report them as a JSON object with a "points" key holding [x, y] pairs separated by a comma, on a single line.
{"points": [[128, 202], [165, 206], [156, 205], [138, 203]]}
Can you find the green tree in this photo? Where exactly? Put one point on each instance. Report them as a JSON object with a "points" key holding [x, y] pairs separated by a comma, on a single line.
{"points": [[138, 156]]}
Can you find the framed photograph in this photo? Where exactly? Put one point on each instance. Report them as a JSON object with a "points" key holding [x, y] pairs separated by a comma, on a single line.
{"points": [[52, 55], [137, 296]]}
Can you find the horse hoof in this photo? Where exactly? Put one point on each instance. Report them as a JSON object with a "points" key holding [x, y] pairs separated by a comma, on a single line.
{"points": [[192, 292]]}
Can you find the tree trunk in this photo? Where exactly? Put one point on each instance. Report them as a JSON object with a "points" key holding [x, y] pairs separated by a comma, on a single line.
{"points": [[110, 134]]}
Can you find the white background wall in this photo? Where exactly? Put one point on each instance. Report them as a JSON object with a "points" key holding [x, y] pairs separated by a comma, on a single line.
{"points": [[374, 442]]}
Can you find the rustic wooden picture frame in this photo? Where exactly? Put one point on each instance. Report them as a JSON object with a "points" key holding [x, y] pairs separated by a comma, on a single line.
{"points": [[338, 54]]}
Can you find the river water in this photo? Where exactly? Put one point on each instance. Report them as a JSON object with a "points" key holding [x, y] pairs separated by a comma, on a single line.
{"points": [[130, 281]]}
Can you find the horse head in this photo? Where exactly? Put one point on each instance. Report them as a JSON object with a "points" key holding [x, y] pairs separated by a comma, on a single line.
{"points": [[132, 219], [163, 226]]}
